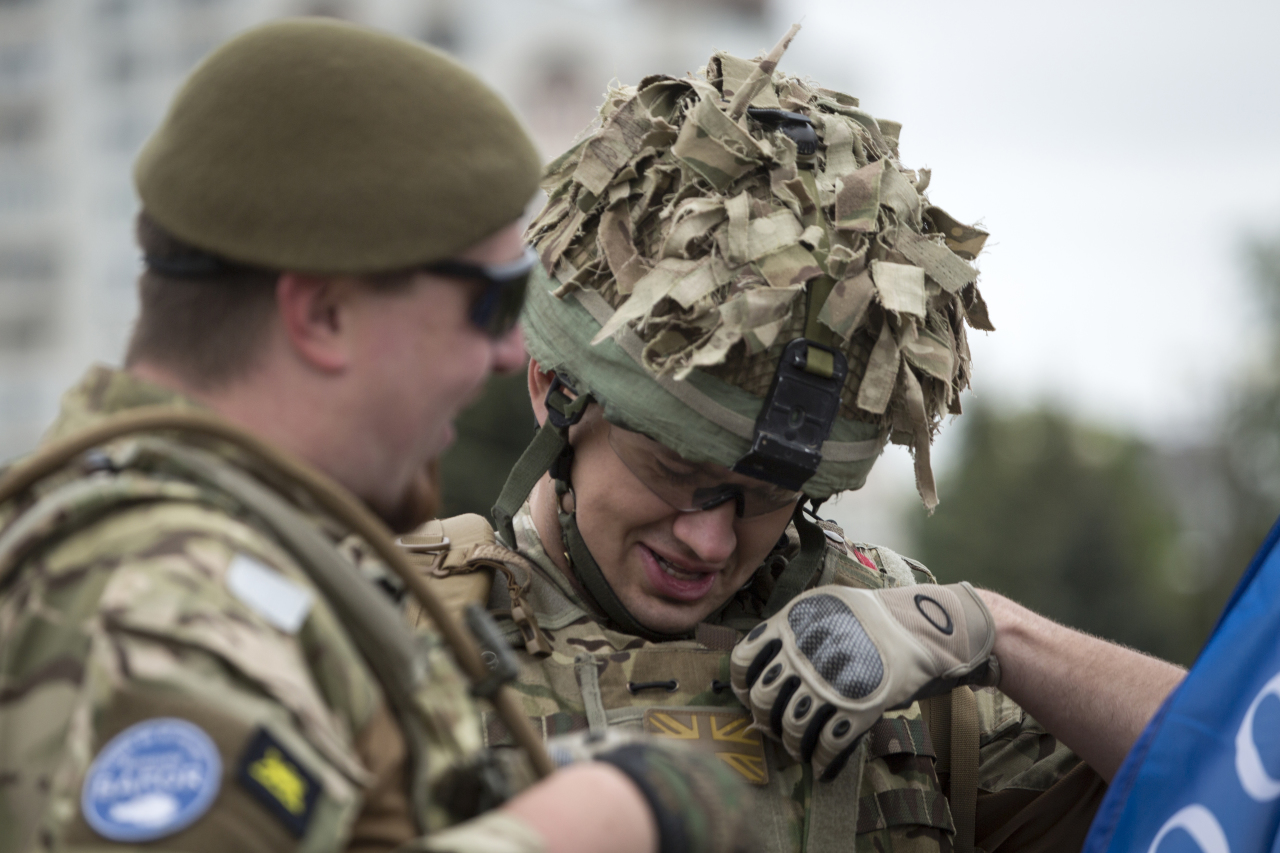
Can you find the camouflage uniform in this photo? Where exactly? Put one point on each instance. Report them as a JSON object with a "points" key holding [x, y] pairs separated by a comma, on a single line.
{"points": [[119, 608], [596, 676]]}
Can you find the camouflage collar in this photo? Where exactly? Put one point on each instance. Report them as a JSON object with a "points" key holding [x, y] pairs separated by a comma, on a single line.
{"points": [[530, 546], [105, 391]]}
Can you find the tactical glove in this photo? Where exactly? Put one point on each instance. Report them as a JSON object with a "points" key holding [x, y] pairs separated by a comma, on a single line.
{"points": [[821, 671], [698, 802]]}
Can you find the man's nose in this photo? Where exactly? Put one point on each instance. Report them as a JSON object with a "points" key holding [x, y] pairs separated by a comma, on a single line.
{"points": [[709, 533], [508, 351]]}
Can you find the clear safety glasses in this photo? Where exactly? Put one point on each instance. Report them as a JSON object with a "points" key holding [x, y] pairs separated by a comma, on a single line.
{"points": [[695, 486]]}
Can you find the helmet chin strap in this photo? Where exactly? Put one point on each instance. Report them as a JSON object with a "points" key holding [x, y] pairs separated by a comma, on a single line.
{"points": [[550, 451], [588, 571]]}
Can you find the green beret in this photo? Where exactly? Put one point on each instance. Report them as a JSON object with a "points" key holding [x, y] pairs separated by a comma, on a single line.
{"points": [[319, 146]]}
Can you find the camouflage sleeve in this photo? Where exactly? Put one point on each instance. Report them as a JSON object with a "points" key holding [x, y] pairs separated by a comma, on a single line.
{"points": [[169, 674], [698, 802], [1033, 792]]}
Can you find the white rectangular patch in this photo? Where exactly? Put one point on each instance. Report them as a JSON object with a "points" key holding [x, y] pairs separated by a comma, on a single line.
{"points": [[268, 593]]}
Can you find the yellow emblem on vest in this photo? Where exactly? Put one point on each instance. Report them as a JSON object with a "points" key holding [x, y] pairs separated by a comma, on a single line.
{"points": [[275, 773], [728, 734]]}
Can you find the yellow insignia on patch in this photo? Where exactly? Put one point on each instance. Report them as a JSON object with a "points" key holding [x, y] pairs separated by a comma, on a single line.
{"points": [[279, 782], [728, 734], [282, 779]]}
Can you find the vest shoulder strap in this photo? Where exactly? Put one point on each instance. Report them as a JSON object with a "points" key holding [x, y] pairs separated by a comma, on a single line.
{"points": [[460, 557], [952, 721]]}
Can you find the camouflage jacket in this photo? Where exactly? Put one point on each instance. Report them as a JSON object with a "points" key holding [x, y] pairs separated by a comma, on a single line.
{"points": [[169, 670], [1033, 793]]}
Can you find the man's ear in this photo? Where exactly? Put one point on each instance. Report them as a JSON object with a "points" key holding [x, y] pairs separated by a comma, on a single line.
{"points": [[539, 384], [314, 318]]}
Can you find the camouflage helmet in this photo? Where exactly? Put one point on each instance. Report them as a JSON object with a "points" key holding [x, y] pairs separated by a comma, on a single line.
{"points": [[324, 147], [720, 235]]}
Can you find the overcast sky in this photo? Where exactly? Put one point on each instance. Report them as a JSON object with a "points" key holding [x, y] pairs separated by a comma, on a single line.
{"points": [[1118, 153]]}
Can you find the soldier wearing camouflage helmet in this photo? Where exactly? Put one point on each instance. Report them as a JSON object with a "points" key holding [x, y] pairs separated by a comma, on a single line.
{"points": [[197, 645], [746, 295]]}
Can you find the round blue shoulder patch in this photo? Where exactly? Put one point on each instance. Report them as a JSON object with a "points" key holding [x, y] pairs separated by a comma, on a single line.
{"points": [[151, 780]]}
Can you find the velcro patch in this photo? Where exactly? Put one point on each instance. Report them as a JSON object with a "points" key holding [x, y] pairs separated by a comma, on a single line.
{"points": [[151, 780], [727, 734], [279, 782], [280, 601]]}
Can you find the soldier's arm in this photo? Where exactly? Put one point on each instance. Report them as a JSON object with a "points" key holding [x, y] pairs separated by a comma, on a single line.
{"points": [[171, 696], [635, 795], [1095, 696], [585, 808]]}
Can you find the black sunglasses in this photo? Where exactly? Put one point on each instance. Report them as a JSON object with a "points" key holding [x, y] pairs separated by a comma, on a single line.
{"points": [[497, 308]]}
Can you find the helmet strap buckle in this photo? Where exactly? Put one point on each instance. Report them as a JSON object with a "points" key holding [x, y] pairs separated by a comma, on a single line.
{"points": [[798, 413]]}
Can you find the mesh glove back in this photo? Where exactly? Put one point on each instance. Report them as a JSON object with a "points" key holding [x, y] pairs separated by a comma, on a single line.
{"points": [[820, 672]]}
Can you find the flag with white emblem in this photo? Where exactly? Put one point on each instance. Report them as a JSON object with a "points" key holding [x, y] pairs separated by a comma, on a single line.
{"points": [[1206, 772]]}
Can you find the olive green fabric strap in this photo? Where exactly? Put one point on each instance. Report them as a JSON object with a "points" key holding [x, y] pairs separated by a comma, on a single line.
{"points": [[833, 808], [818, 291], [800, 572], [952, 720], [964, 767], [547, 444], [551, 440], [588, 676], [587, 570]]}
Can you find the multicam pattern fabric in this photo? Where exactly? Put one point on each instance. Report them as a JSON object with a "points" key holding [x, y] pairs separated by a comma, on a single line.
{"points": [[118, 610], [699, 804], [597, 677], [704, 223]]}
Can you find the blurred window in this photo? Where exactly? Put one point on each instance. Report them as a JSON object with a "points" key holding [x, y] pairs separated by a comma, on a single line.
{"points": [[125, 132], [35, 263], [23, 122], [24, 190], [561, 94], [22, 63], [113, 10], [442, 27], [747, 8], [327, 9], [28, 295], [121, 66]]}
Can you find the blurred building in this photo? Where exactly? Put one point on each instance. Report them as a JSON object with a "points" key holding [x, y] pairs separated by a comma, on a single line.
{"points": [[83, 82]]}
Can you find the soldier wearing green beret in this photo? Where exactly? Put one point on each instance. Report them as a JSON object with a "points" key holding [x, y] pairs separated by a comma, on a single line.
{"points": [[746, 295], [200, 647]]}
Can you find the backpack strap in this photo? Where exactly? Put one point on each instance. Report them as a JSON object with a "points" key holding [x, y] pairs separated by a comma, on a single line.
{"points": [[302, 538], [952, 721]]}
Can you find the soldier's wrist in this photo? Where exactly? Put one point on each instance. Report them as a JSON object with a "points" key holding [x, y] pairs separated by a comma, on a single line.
{"points": [[634, 761], [698, 803]]}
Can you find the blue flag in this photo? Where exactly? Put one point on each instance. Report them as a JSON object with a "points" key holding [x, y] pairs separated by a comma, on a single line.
{"points": [[1205, 774]]}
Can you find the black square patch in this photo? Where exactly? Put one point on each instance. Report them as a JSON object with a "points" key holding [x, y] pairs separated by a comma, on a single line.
{"points": [[279, 782]]}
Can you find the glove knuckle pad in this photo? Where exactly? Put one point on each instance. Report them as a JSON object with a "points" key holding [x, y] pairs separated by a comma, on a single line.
{"points": [[830, 636]]}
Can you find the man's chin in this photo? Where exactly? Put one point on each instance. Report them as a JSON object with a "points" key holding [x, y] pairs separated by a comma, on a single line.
{"points": [[663, 617]]}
